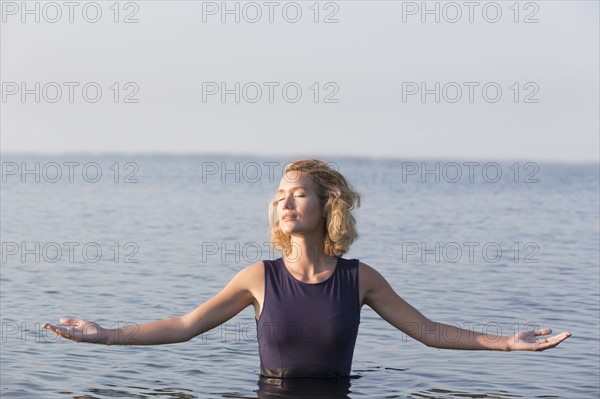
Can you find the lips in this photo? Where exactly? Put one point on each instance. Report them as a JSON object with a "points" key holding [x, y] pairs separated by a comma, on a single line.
{"points": [[288, 216]]}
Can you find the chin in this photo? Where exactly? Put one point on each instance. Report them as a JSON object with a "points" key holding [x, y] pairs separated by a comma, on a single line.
{"points": [[288, 231], [291, 230]]}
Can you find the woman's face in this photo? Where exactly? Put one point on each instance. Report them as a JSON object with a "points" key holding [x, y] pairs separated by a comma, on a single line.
{"points": [[298, 207]]}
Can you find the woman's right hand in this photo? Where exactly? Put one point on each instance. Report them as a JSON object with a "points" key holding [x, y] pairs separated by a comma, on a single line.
{"points": [[79, 331]]}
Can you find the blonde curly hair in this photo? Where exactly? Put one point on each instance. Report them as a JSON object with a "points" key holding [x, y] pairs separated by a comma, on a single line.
{"points": [[337, 198]]}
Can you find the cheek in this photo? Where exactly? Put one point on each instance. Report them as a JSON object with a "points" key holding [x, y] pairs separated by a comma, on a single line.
{"points": [[315, 210], [277, 210]]}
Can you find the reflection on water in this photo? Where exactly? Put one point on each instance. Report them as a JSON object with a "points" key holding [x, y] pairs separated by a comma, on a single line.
{"points": [[294, 388], [445, 394], [130, 392], [269, 388]]}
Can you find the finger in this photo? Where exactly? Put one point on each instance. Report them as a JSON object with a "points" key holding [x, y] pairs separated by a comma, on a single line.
{"points": [[61, 331], [49, 326], [560, 337], [542, 331], [66, 334], [57, 330], [69, 321], [551, 342]]}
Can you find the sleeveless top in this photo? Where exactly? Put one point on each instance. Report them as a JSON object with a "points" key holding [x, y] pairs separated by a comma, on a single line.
{"points": [[308, 330]]}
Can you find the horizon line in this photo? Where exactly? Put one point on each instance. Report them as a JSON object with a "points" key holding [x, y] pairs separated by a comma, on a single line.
{"points": [[292, 156]]}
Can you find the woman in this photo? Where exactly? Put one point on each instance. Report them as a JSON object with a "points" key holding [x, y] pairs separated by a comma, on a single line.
{"points": [[308, 302]]}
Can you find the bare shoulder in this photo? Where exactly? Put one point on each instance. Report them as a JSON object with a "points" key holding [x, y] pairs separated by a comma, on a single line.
{"points": [[365, 269], [369, 275], [245, 286], [251, 275], [379, 295], [370, 282], [252, 281], [254, 269]]}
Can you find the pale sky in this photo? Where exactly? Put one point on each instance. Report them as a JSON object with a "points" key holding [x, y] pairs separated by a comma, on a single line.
{"points": [[541, 78]]}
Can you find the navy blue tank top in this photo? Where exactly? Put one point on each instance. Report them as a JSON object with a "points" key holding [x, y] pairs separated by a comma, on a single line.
{"points": [[308, 330]]}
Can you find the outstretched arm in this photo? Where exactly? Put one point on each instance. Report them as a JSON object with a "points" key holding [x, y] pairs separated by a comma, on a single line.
{"points": [[237, 295], [379, 295]]}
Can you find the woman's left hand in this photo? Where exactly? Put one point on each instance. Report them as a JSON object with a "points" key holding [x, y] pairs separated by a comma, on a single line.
{"points": [[529, 340]]}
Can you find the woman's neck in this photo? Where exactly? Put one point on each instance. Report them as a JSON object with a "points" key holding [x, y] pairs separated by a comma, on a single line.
{"points": [[308, 257]]}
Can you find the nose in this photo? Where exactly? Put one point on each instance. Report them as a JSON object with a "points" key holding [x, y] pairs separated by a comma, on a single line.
{"points": [[288, 202]]}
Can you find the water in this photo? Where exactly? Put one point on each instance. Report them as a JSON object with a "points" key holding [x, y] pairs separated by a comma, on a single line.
{"points": [[181, 223]]}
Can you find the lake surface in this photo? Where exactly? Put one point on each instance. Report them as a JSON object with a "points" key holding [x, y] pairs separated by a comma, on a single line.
{"points": [[491, 247]]}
